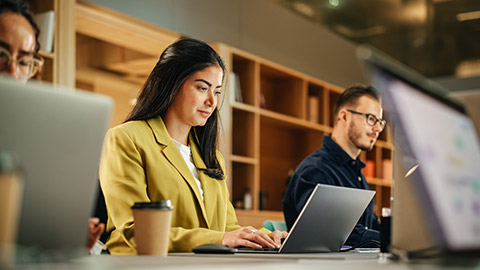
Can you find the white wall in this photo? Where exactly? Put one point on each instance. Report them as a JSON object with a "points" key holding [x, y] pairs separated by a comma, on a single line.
{"points": [[256, 26]]}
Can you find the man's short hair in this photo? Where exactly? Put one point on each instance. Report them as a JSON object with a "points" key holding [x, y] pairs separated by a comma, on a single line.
{"points": [[351, 95]]}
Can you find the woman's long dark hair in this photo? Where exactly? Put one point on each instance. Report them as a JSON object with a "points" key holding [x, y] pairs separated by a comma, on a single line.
{"points": [[179, 61]]}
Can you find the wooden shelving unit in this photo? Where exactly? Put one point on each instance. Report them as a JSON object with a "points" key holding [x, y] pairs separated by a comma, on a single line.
{"points": [[263, 137], [115, 53], [274, 129], [59, 66]]}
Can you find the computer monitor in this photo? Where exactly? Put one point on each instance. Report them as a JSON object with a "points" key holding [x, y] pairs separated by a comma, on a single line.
{"points": [[435, 132], [471, 100]]}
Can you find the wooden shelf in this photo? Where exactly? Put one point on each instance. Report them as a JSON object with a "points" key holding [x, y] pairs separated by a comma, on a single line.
{"points": [[245, 107], [45, 54], [256, 218], [379, 182], [121, 91], [282, 119], [59, 66], [246, 160], [119, 29], [115, 53], [384, 144], [292, 122]]}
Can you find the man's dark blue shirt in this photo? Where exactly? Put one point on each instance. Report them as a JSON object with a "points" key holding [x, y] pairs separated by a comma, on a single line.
{"points": [[330, 165]]}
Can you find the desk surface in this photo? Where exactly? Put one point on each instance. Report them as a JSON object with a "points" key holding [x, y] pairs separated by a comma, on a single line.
{"points": [[356, 261]]}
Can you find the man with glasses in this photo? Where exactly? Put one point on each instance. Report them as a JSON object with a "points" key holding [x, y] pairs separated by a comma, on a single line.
{"points": [[358, 122], [19, 59]]}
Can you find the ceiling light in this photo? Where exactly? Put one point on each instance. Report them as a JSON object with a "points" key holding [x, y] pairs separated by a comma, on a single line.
{"points": [[360, 33], [415, 13], [468, 16], [334, 3], [304, 9], [468, 68]]}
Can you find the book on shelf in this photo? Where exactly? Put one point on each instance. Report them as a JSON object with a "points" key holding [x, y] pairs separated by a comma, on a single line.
{"points": [[387, 169], [46, 23], [313, 108], [262, 101], [235, 88], [369, 170]]}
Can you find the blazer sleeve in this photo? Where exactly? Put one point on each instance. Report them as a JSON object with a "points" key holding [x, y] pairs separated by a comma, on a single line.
{"points": [[182, 239], [123, 183], [232, 222]]}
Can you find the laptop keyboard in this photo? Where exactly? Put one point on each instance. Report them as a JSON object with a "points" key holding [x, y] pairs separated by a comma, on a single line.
{"points": [[259, 250]]}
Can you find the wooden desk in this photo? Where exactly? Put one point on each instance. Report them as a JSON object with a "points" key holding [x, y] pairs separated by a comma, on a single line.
{"points": [[350, 261]]}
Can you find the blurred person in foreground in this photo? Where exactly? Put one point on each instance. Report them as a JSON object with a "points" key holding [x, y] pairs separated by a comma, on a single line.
{"points": [[20, 60]]}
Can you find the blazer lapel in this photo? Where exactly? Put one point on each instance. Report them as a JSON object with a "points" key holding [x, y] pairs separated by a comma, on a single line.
{"points": [[210, 187], [172, 154]]}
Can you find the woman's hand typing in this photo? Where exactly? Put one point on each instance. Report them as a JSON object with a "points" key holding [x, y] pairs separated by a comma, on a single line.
{"points": [[251, 237]]}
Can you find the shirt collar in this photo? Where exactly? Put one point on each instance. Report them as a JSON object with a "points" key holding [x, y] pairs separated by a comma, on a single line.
{"points": [[339, 154]]}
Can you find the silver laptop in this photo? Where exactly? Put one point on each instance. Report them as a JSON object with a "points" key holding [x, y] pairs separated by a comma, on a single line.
{"points": [[58, 135], [437, 133], [326, 220]]}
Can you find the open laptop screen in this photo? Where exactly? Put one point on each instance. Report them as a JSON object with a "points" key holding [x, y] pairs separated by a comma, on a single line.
{"points": [[57, 133], [442, 138]]}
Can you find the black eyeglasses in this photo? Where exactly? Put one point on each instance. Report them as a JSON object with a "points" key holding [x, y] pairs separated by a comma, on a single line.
{"points": [[371, 119]]}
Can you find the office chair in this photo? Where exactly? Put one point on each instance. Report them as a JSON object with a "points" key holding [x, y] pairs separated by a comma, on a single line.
{"points": [[275, 225]]}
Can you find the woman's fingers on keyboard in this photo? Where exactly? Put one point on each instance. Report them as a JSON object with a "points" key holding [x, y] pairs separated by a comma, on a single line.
{"points": [[264, 240], [277, 236], [247, 243]]}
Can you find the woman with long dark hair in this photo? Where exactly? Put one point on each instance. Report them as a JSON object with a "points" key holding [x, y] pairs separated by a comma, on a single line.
{"points": [[166, 150]]}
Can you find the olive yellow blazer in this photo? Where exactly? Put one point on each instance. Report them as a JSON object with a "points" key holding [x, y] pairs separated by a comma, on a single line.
{"points": [[140, 163]]}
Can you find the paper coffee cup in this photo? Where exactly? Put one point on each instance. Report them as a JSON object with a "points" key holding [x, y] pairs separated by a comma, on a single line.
{"points": [[152, 227], [11, 190]]}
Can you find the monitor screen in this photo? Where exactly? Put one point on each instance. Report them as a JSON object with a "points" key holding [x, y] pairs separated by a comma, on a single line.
{"points": [[442, 139]]}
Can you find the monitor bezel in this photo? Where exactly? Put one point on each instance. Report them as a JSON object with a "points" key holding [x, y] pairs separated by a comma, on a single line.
{"points": [[374, 62]]}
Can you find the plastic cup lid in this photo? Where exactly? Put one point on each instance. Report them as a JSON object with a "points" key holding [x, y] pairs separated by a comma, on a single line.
{"points": [[162, 205]]}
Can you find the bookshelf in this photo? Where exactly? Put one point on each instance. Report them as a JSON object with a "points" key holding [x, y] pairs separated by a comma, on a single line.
{"points": [[54, 70], [115, 53], [282, 119], [263, 137]]}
